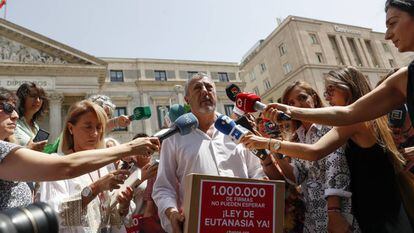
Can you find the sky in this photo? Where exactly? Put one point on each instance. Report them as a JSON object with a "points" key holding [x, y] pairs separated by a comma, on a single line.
{"points": [[206, 30]]}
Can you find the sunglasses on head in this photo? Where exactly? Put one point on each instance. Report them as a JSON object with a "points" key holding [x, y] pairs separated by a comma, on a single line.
{"points": [[7, 108]]}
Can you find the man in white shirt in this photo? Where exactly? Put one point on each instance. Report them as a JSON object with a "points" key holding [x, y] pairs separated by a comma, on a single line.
{"points": [[204, 151]]}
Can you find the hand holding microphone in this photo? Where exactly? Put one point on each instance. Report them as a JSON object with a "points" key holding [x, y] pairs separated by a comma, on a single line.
{"points": [[249, 102], [237, 133], [275, 112], [184, 124]]}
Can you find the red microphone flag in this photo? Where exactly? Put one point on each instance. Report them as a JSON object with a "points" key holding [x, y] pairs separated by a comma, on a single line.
{"points": [[245, 101]]}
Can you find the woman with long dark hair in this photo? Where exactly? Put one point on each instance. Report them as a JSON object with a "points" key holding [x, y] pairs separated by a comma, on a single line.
{"points": [[33, 104], [370, 152]]}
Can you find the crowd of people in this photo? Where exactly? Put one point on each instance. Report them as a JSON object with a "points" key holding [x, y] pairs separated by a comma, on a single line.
{"points": [[347, 167]]}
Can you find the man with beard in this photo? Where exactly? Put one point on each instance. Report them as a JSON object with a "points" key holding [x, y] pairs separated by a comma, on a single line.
{"points": [[204, 151]]}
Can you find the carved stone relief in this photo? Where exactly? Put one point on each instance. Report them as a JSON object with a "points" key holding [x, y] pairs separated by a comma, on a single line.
{"points": [[12, 51]]}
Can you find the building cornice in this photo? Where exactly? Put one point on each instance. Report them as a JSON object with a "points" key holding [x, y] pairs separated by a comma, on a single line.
{"points": [[52, 47], [51, 70], [168, 61]]}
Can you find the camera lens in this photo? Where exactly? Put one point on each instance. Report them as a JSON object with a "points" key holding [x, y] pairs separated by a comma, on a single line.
{"points": [[37, 218]]}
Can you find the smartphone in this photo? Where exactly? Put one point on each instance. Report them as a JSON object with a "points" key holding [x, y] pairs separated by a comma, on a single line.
{"points": [[41, 135]]}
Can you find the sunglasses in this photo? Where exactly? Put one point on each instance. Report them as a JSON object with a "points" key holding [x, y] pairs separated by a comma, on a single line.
{"points": [[7, 108]]}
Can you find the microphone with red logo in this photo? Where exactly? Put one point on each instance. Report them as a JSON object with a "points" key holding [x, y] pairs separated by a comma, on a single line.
{"points": [[231, 91], [250, 102]]}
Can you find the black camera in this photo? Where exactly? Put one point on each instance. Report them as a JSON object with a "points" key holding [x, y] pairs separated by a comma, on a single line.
{"points": [[35, 218]]}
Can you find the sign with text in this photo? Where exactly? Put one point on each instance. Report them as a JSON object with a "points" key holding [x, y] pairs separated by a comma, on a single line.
{"points": [[230, 205], [13, 83]]}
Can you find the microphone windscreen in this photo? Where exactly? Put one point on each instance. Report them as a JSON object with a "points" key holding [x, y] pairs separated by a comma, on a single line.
{"points": [[245, 101], [224, 124], [176, 110], [141, 113], [186, 123], [231, 91]]}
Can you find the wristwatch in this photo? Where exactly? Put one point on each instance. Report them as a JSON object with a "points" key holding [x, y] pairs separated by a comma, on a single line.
{"points": [[87, 192], [276, 145]]}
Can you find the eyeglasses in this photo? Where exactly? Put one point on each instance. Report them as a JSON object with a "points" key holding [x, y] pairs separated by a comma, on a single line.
{"points": [[7, 108]]}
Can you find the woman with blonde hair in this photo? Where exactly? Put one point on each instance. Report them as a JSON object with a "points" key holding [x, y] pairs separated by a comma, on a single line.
{"points": [[83, 203], [370, 150]]}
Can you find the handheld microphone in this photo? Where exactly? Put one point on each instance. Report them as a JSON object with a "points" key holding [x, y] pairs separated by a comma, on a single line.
{"points": [[261, 153], [231, 91], [184, 124], [176, 110], [250, 102], [228, 127], [140, 113]]}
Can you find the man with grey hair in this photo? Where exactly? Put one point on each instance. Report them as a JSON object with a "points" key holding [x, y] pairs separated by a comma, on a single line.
{"points": [[204, 151], [106, 103]]}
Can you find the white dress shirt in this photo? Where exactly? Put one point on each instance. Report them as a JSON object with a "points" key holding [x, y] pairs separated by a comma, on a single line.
{"points": [[198, 153]]}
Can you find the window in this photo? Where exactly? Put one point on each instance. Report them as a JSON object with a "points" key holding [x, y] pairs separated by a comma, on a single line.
{"points": [[319, 56], [282, 49], [287, 68], [267, 84], [386, 47], [191, 74], [335, 49], [162, 111], [116, 76], [392, 63], [252, 76], [160, 75], [223, 77], [263, 67], [313, 38], [357, 58], [371, 53], [228, 109], [119, 111], [256, 90]]}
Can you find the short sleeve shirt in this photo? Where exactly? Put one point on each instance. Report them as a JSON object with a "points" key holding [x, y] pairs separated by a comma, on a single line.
{"points": [[13, 193]]}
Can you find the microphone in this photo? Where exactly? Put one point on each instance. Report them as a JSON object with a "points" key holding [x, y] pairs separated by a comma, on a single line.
{"points": [[184, 124], [228, 127], [261, 153], [140, 113], [250, 102], [231, 91], [176, 110]]}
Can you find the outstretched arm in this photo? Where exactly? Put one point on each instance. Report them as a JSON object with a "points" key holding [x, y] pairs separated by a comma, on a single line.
{"points": [[331, 141], [389, 95], [28, 165]]}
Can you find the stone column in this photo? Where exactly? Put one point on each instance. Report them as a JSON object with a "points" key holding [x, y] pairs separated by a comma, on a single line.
{"points": [[55, 115], [367, 53], [349, 51], [361, 52], [147, 123], [179, 90], [342, 50]]}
